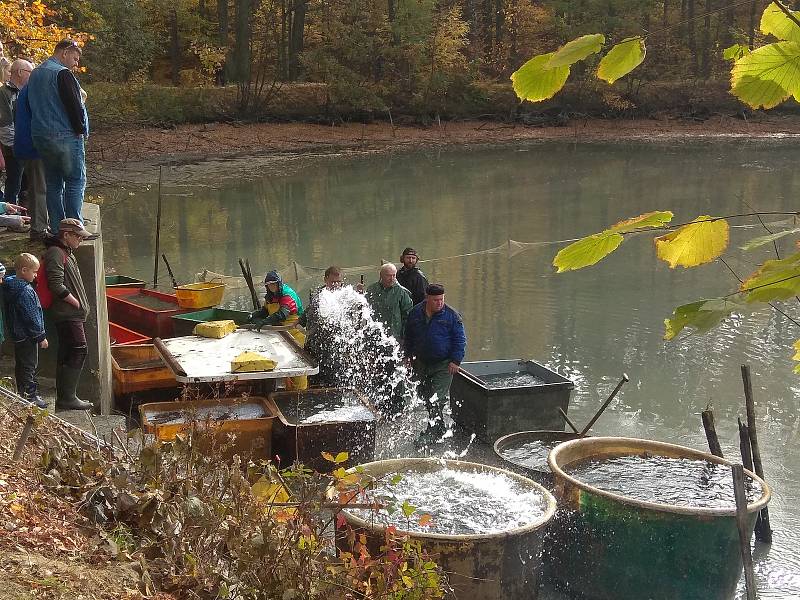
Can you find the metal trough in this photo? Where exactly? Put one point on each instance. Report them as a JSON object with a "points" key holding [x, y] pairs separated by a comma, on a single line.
{"points": [[494, 412]]}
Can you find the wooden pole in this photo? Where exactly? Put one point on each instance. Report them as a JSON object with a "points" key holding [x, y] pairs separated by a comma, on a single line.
{"points": [[23, 437], [602, 409], [763, 529], [168, 357], [741, 525], [158, 233], [711, 432], [568, 420], [744, 445]]}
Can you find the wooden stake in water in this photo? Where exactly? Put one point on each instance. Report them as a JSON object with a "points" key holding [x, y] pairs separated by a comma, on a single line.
{"points": [[744, 445], [158, 233], [744, 537], [711, 432], [763, 529]]}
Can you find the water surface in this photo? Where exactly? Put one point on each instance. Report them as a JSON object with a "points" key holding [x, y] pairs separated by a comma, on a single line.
{"points": [[591, 325]]}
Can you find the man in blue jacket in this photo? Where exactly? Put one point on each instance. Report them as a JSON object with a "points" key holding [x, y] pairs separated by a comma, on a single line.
{"points": [[36, 194], [435, 342], [59, 128]]}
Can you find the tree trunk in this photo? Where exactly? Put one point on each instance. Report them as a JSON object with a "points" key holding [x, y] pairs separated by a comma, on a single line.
{"points": [[706, 50], [499, 19], [391, 13], [241, 48], [691, 42], [222, 37], [752, 33], [174, 47], [296, 37], [729, 22], [665, 15]]}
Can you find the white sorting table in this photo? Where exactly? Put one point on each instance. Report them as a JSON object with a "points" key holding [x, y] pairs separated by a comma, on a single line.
{"points": [[208, 360]]}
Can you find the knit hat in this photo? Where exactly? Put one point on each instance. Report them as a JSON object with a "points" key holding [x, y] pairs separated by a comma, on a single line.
{"points": [[273, 277], [434, 289], [409, 252]]}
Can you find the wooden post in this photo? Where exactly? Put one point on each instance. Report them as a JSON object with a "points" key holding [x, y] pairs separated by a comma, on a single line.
{"points": [[23, 437], [568, 420], [744, 537], [158, 233], [763, 529], [744, 446], [711, 432]]}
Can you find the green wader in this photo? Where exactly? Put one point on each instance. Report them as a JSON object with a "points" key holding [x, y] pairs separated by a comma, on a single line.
{"points": [[435, 379]]}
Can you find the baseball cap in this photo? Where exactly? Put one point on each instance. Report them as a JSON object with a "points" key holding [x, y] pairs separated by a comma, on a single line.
{"points": [[75, 226]]}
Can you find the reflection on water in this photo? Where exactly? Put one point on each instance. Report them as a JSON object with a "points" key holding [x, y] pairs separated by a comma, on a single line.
{"points": [[589, 325]]}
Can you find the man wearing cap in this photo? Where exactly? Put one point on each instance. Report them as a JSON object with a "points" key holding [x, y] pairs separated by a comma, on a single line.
{"points": [[69, 310], [410, 277], [435, 342], [59, 127]]}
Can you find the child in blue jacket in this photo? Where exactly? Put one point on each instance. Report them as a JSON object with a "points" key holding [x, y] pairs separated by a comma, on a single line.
{"points": [[25, 326]]}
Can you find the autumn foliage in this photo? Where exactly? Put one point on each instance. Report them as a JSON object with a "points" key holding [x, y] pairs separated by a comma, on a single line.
{"points": [[29, 29]]}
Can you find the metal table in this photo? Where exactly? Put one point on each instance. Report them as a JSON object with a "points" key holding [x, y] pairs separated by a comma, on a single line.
{"points": [[196, 359]]}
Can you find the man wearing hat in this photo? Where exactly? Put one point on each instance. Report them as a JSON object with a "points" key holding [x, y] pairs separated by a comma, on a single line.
{"points": [[410, 277], [435, 342], [69, 310]]}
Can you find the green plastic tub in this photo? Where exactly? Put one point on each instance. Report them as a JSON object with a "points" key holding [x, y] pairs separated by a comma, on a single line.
{"points": [[185, 322], [123, 281]]}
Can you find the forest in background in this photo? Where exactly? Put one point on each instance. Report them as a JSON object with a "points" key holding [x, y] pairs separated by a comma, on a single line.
{"points": [[147, 61]]}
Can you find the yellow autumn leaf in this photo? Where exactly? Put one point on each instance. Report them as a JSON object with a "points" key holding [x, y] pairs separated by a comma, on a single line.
{"points": [[696, 243], [797, 356]]}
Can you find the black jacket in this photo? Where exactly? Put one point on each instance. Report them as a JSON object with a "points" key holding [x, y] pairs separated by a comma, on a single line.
{"points": [[414, 281]]}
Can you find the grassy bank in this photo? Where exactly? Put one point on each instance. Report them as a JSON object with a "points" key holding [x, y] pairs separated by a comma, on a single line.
{"points": [[125, 105]]}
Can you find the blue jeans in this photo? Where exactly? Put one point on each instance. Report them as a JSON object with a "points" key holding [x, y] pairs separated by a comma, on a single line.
{"points": [[65, 175]]}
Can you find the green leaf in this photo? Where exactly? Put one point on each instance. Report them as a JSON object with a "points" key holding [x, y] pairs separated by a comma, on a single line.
{"points": [[341, 457], [701, 315], [621, 59], [576, 50], [535, 82], [649, 220], [396, 479], [768, 75], [408, 509], [735, 52], [696, 243], [768, 239], [587, 251], [329, 457], [775, 22], [797, 356], [774, 280]]}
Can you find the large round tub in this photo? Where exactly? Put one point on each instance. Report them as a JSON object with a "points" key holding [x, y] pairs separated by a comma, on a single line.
{"points": [[493, 566], [608, 546]]}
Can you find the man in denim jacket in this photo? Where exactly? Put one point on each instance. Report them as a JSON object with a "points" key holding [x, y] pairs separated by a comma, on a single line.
{"points": [[59, 127]]}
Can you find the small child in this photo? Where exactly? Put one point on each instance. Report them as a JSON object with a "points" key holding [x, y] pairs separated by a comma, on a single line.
{"points": [[26, 326]]}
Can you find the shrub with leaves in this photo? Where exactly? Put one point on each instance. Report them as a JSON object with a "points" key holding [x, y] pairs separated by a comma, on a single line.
{"points": [[202, 526]]}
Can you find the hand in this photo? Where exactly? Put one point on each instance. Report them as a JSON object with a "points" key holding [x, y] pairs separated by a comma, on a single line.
{"points": [[360, 288], [72, 300], [15, 209], [452, 368], [43, 344], [259, 323]]}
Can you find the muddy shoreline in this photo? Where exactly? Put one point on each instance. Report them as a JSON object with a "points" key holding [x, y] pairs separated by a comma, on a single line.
{"points": [[125, 154]]}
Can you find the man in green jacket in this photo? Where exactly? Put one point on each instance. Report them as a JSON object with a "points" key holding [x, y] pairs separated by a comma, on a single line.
{"points": [[390, 301], [69, 310]]}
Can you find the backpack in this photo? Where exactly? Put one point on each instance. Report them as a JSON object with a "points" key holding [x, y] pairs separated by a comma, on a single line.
{"points": [[42, 286]]}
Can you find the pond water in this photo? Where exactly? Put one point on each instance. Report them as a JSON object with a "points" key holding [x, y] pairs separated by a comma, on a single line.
{"points": [[591, 325], [662, 480]]}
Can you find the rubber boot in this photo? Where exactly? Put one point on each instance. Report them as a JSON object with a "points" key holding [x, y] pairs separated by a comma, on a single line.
{"points": [[436, 428], [66, 385]]}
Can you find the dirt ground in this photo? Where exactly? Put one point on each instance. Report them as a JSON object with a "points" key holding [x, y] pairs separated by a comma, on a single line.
{"points": [[192, 142]]}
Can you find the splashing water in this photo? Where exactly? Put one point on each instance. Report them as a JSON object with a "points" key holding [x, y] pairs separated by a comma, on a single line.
{"points": [[362, 355], [459, 502]]}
